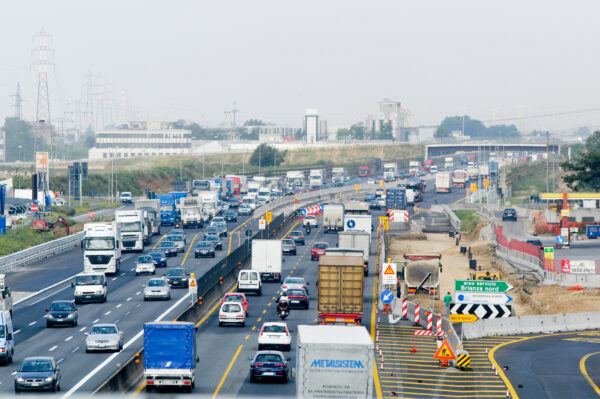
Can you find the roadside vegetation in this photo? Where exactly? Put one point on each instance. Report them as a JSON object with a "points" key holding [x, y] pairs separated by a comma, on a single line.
{"points": [[469, 220], [22, 237]]}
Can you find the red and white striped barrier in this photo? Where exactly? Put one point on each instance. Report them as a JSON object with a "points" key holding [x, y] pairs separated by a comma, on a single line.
{"points": [[417, 314], [439, 326], [430, 321], [429, 333], [398, 215], [404, 309]]}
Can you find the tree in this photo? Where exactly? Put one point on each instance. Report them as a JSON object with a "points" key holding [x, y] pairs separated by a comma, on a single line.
{"points": [[585, 167], [474, 128], [254, 122], [17, 133], [267, 155], [356, 132]]}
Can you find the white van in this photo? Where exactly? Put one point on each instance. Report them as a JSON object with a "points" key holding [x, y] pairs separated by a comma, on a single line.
{"points": [[7, 338], [249, 281], [90, 287]]}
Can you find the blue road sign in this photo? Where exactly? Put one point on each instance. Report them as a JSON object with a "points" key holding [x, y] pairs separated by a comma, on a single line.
{"points": [[387, 296], [560, 240], [321, 206], [303, 210]]}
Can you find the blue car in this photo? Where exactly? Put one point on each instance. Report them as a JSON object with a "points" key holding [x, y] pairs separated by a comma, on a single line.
{"points": [[168, 247], [269, 364], [369, 197], [159, 258]]}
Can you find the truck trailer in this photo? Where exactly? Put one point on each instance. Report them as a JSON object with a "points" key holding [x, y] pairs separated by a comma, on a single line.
{"points": [[422, 274], [357, 240], [333, 217], [267, 259], [340, 292]]}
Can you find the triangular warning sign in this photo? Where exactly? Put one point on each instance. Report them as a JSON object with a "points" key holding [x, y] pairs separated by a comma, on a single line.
{"points": [[193, 282], [445, 352], [389, 270]]}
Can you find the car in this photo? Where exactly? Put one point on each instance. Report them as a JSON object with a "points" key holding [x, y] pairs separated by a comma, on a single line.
{"points": [[288, 246], [126, 197], [215, 240], [232, 313], [381, 201], [237, 297], [178, 232], [269, 364], [167, 247], [218, 219], [369, 197], [159, 258], [536, 242], [58, 202], [297, 236], [318, 249], [234, 202], [230, 216], [311, 220], [293, 283], [298, 298], [206, 217], [260, 202], [223, 206], [370, 181], [145, 264], [374, 204], [212, 231], [177, 278], [509, 214], [205, 249], [38, 373], [177, 240], [221, 227], [245, 210], [61, 313], [157, 288], [274, 335], [104, 337]]}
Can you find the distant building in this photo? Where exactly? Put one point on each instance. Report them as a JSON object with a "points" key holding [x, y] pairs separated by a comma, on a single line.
{"points": [[390, 112], [272, 134], [2, 145], [141, 139], [311, 125]]}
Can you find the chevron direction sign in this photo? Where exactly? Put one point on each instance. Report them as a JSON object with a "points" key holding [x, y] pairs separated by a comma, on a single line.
{"points": [[482, 311]]}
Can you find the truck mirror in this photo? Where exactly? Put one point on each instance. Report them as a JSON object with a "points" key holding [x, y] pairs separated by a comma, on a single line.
{"points": [[289, 359], [250, 358], [307, 283], [3, 294], [9, 336], [73, 285]]}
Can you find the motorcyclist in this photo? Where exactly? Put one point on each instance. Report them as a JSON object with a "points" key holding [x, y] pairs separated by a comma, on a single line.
{"points": [[283, 304], [307, 228]]}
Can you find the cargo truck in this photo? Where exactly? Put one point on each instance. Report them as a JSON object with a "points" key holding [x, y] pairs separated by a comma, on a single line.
{"points": [[460, 178], [357, 208], [395, 198], [102, 247], [422, 274], [417, 186], [443, 182], [338, 175], [333, 217], [267, 259], [168, 215], [473, 172], [170, 355], [191, 212], [334, 362], [484, 171], [357, 240], [340, 299], [210, 202], [414, 167], [448, 162], [152, 209], [359, 223], [294, 179], [132, 228], [317, 178], [427, 165], [390, 171], [364, 171]]}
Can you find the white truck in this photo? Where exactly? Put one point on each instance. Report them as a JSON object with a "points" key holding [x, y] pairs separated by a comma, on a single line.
{"points": [[294, 179], [473, 172], [443, 182], [390, 171], [356, 240], [6, 300], [267, 259], [460, 177], [102, 247], [191, 212], [448, 162], [317, 177], [264, 193], [132, 229], [414, 167], [253, 188], [358, 223], [338, 175], [210, 202], [334, 362], [484, 170], [152, 208], [333, 217]]}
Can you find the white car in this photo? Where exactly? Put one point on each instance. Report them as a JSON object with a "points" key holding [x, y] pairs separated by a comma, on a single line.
{"points": [[58, 202], [157, 288], [312, 220], [274, 335], [370, 181], [381, 201], [145, 264], [294, 283], [232, 313], [102, 337]]}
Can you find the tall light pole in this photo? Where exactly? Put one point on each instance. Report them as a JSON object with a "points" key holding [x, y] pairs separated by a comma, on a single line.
{"points": [[20, 153]]}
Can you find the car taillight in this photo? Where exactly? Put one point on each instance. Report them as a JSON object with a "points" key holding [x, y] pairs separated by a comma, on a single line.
{"points": [[303, 297], [284, 287], [279, 365], [258, 365], [150, 382], [239, 316], [287, 333], [303, 287]]}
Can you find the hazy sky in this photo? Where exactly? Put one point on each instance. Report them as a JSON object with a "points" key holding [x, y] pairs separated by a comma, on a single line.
{"points": [[192, 59]]}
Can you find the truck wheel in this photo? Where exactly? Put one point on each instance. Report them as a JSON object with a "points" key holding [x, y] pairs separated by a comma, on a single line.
{"points": [[284, 379], [259, 292]]}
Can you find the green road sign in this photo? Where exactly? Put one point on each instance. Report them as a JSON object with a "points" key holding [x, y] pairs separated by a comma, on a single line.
{"points": [[548, 249], [482, 286]]}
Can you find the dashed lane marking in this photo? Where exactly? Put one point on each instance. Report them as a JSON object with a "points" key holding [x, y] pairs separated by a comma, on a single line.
{"points": [[53, 348], [69, 338], [247, 336]]}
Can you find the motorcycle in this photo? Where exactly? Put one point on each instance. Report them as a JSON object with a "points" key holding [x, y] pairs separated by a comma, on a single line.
{"points": [[283, 310], [307, 228]]}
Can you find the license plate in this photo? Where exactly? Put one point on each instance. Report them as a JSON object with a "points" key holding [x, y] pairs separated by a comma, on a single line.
{"points": [[268, 373], [295, 301], [35, 384], [102, 346]]}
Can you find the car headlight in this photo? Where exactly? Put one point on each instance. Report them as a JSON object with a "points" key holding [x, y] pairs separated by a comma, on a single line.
{"points": [[71, 315], [20, 379], [99, 292], [163, 259], [48, 379]]}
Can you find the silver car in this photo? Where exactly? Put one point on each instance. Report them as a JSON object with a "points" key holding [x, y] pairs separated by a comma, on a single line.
{"points": [[157, 288], [221, 227], [178, 241], [104, 337]]}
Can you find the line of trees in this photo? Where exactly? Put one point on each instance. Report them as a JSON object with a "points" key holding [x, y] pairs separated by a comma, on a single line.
{"points": [[474, 128], [583, 170]]}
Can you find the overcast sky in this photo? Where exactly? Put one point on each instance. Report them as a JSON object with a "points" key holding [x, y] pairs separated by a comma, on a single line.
{"points": [[192, 59]]}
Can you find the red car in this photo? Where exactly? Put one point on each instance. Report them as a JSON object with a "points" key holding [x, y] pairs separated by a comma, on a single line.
{"points": [[237, 297], [317, 250]]}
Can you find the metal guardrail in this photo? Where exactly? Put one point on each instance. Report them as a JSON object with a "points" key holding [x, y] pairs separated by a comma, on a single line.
{"points": [[454, 220], [38, 252]]}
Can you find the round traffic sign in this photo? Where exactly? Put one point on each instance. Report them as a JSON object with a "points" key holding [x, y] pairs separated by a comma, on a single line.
{"points": [[303, 210], [387, 296], [34, 208], [560, 240]]}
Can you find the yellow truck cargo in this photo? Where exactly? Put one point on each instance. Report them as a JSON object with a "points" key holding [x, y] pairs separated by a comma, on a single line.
{"points": [[341, 287]]}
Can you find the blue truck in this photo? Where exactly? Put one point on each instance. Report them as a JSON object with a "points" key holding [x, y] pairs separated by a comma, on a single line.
{"points": [[170, 355], [395, 198], [178, 195], [592, 231], [168, 214]]}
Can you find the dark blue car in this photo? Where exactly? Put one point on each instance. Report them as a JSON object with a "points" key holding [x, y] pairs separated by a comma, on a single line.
{"points": [[269, 364], [169, 248], [158, 257]]}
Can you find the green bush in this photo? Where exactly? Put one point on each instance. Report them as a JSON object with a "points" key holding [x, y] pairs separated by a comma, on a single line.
{"points": [[469, 220]]}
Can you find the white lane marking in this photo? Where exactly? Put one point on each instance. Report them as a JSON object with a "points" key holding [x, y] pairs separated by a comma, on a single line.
{"points": [[14, 373], [16, 332], [117, 321], [114, 278], [54, 347], [131, 270], [83, 328], [138, 305], [45, 289], [48, 296], [126, 313], [119, 305], [75, 350], [129, 299], [107, 313], [96, 321], [114, 355], [68, 339], [138, 293], [122, 274], [32, 323], [59, 361]]}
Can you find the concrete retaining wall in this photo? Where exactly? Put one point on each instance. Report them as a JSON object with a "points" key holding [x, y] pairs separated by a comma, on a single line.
{"points": [[532, 325]]}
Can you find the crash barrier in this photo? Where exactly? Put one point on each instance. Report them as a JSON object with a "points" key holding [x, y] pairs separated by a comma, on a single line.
{"points": [[39, 252], [572, 279], [454, 220], [525, 255], [532, 325]]}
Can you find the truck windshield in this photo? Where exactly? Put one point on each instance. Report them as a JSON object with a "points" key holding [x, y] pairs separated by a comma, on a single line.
{"points": [[2, 332], [99, 243], [166, 208], [88, 280], [130, 226], [151, 216]]}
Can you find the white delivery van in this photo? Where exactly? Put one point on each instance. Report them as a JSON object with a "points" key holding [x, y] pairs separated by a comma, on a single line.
{"points": [[90, 287], [7, 338], [267, 259], [249, 281]]}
